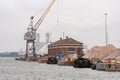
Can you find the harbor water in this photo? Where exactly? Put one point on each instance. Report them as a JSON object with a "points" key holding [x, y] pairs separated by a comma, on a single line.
{"points": [[10, 69]]}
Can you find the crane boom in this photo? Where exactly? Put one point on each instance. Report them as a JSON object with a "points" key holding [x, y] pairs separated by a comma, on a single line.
{"points": [[43, 16]]}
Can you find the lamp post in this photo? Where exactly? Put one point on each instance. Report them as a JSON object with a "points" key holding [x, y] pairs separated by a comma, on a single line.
{"points": [[106, 33]]}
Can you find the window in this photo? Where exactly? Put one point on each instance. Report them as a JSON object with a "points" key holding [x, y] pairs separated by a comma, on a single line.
{"points": [[71, 49]]}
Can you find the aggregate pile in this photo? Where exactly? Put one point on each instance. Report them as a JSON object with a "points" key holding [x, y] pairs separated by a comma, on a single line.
{"points": [[100, 52], [114, 55]]}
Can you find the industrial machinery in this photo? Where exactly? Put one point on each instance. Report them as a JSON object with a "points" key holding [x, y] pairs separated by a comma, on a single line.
{"points": [[30, 35]]}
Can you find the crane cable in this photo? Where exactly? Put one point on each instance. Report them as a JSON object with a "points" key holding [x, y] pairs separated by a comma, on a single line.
{"points": [[42, 8], [58, 13], [36, 14]]}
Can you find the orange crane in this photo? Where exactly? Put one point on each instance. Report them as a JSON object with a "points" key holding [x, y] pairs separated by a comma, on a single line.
{"points": [[30, 35]]}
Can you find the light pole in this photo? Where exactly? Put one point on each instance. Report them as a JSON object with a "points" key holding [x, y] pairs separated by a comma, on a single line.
{"points": [[106, 33]]}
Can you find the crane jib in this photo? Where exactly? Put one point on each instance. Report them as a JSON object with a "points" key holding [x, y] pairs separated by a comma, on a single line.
{"points": [[43, 16]]}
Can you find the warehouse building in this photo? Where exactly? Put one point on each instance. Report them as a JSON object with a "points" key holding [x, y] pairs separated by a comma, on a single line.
{"points": [[66, 47]]}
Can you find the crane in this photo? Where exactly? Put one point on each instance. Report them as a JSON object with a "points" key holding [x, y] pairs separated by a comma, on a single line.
{"points": [[30, 35]]}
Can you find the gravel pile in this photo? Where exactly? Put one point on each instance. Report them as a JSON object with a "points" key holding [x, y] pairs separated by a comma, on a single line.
{"points": [[100, 51], [114, 55]]}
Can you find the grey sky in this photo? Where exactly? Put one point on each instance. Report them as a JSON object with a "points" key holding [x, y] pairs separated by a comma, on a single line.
{"points": [[82, 20]]}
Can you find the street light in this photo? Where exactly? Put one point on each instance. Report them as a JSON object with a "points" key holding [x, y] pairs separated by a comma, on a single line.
{"points": [[106, 33]]}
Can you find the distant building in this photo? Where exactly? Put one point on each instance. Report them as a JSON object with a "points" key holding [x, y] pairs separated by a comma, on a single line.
{"points": [[67, 47], [9, 54]]}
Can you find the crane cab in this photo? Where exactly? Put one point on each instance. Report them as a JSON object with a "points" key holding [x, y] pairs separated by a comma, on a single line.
{"points": [[30, 36]]}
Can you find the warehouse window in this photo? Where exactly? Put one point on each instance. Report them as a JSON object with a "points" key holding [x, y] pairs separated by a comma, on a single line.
{"points": [[71, 49]]}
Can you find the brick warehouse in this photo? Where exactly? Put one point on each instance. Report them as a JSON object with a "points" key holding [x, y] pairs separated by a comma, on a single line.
{"points": [[66, 47]]}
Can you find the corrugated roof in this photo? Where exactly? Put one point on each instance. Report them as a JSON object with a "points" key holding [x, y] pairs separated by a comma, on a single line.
{"points": [[67, 41]]}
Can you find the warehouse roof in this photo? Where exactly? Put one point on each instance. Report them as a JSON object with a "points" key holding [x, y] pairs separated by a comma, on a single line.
{"points": [[67, 41]]}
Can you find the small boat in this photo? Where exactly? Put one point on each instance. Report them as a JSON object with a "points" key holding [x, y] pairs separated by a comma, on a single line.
{"points": [[52, 60]]}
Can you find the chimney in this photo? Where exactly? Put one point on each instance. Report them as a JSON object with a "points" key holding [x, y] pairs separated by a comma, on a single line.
{"points": [[66, 37], [60, 38]]}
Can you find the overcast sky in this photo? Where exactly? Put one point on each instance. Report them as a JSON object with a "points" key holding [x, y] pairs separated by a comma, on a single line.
{"points": [[83, 20]]}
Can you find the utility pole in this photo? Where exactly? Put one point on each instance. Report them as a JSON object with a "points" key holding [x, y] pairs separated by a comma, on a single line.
{"points": [[106, 32]]}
